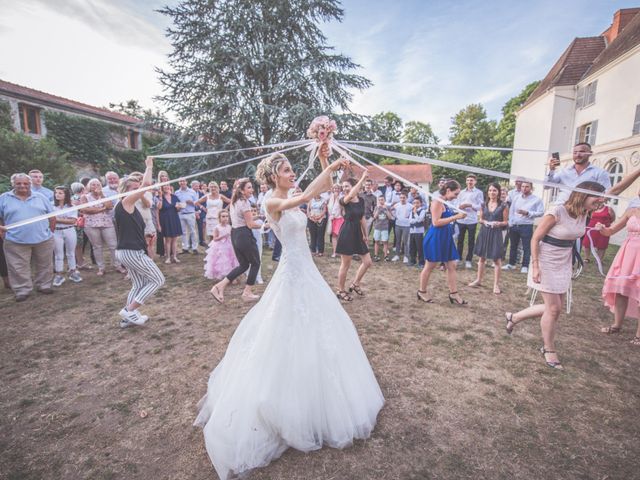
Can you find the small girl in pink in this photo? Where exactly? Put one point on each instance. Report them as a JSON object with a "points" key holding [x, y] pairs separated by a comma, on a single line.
{"points": [[220, 259], [621, 291]]}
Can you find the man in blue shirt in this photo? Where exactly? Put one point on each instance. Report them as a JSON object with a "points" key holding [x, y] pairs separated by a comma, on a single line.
{"points": [[188, 217], [36, 185], [28, 244]]}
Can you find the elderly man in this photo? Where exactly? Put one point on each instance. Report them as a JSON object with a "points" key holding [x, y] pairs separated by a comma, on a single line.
{"points": [[112, 181], [36, 185], [30, 246], [188, 217]]}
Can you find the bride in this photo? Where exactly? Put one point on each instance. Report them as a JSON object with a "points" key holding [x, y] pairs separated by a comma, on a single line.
{"points": [[294, 374]]}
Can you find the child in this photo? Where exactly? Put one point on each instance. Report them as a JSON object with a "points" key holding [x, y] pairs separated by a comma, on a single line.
{"points": [[65, 237], [381, 218], [416, 232], [257, 233], [220, 259]]}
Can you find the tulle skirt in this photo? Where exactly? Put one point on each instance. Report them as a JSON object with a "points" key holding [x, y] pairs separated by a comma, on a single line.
{"points": [[220, 259]]}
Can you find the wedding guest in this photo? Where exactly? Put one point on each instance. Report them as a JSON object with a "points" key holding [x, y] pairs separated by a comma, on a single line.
{"points": [[416, 232], [170, 224], [145, 206], [201, 212], [163, 176], [220, 259], [438, 244], [470, 201], [402, 214], [335, 216], [188, 199], [604, 216], [493, 217], [382, 216], [28, 248], [36, 185], [552, 247], [98, 225], [65, 237], [352, 239], [77, 190], [317, 224], [370, 202], [244, 243], [213, 204]]}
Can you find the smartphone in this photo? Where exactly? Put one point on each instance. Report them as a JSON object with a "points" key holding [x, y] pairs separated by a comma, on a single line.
{"points": [[555, 155]]}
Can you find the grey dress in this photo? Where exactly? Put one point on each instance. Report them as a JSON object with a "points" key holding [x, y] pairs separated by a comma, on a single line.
{"points": [[489, 243]]}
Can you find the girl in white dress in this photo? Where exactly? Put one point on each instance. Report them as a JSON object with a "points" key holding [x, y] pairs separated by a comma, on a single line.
{"points": [[294, 373], [213, 204]]}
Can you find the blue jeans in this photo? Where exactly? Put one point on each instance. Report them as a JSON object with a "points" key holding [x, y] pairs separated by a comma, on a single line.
{"points": [[519, 233]]}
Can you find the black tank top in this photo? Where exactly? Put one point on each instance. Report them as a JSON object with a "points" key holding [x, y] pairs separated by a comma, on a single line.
{"points": [[130, 229]]}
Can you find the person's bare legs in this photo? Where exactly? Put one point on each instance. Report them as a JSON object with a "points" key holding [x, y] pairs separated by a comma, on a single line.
{"points": [[376, 248], [497, 268], [345, 263], [482, 264], [167, 249], [425, 274], [452, 279], [619, 310], [549, 323], [364, 266]]}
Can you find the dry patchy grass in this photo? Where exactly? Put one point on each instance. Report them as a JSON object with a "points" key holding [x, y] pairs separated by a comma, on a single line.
{"points": [[464, 400]]}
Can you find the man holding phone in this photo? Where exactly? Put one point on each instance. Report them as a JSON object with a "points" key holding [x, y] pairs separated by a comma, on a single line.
{"points": [[581, 171]]}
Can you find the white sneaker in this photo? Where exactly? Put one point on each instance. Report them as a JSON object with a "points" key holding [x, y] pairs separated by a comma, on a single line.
{"points": [[405, 260], [468, 265], [395, 258], [508, 266], [524, 270], [58, 280], [75, 277], [131, 318]]}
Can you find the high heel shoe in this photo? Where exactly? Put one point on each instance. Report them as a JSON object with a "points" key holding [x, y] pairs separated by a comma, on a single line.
{"points": [[455, 300], [423, 299], [556, 365]]}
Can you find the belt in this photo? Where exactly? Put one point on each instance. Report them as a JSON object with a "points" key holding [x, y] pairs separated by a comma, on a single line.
{"points": [[65, 228], [556, 242]]}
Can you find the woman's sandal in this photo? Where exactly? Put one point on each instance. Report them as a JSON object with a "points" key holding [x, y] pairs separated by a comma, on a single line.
{"points": [[635, 341], [357, 289], [556, 365], [215, 293], [509, 317], [455, 300], [475, 283], [343, 295], [610, 330], [423, 299]]}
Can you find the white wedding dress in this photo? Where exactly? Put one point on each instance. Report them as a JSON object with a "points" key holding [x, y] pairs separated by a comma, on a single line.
{"points": [[294, 374]]}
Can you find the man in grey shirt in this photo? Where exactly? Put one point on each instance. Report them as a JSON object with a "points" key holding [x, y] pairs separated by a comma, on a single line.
{"points": [[469, 200]]}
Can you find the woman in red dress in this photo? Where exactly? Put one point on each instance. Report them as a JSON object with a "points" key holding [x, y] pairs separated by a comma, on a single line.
{"points": [[606, 216]]}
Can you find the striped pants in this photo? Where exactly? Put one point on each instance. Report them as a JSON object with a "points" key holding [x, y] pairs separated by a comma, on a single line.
{"points": [[146, 277]]}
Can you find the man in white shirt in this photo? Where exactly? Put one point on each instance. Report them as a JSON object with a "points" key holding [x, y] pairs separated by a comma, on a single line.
{"points": [[469, 200], [188, 217], [581, 171], [526, 207], [402, 211]]}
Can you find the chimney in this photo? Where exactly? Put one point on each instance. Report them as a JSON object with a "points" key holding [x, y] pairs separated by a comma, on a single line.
{"points": [[620, 20]]}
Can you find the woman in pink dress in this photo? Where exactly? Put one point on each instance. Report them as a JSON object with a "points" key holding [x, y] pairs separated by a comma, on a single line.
{"points": [[621, 291], [551, 257], [220, 259], [606, 216]]}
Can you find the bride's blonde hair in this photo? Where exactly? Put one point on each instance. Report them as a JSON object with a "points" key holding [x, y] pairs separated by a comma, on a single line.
{"points": [[268, 167]]}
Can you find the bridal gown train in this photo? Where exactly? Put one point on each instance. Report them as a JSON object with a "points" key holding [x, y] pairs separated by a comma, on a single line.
{"points": [[294, 373]]}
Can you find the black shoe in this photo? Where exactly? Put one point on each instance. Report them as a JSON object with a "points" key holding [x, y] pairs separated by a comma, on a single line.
{"points": [[452, 299], [46, 291], [21, 298]]}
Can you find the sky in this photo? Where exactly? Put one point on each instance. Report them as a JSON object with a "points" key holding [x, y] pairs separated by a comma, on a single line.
{"points": [[427, 58]]}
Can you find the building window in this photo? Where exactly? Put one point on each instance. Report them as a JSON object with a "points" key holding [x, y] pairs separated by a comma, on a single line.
{"points": [[587, 133], [29, 119], [586, 95], [614, 167], [133, 140], [636, 121]]}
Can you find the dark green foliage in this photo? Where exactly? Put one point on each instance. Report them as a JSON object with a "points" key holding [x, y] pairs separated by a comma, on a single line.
{"points": [[5, 116], [90, 141], [21, 153]]}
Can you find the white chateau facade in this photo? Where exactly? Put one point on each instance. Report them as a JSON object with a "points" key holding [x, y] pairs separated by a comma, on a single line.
{"points": [[591, 94]]}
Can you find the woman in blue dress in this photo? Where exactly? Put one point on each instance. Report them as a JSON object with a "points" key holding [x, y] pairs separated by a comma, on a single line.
{"points": [[438, 244], [170, 223]]}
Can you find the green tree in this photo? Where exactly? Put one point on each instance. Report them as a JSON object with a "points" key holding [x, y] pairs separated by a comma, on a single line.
{"points": [[253, 72], [420, 132], [507, 126], [386, 127]]}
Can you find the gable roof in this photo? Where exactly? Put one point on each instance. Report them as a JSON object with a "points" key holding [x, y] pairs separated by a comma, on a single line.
{"points": [[414, 173], [29, 94], [628, 39], [571, 66]]}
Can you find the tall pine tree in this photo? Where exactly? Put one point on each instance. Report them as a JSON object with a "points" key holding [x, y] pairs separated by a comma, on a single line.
{"points": [[253, 72]]}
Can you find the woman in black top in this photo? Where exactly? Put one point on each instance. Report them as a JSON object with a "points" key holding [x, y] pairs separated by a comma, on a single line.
{"points": [[131, 251], [353, 237]]}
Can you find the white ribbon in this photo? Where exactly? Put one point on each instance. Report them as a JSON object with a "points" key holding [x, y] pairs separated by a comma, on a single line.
{"points": [[64, 211], [458, 147], [478, 170], [338, 148], [219, 152]]}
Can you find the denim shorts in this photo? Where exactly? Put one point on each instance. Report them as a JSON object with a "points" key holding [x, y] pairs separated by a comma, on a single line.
{"points": [[380, 235]]}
